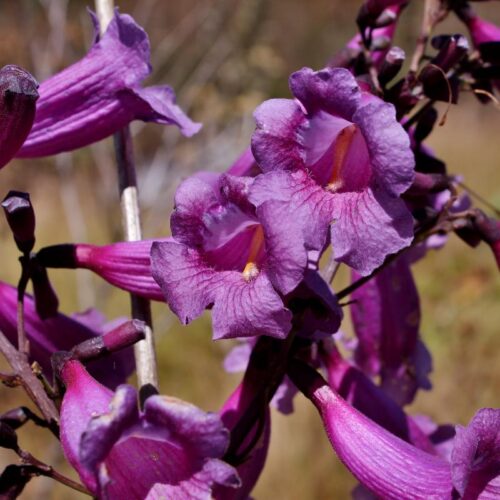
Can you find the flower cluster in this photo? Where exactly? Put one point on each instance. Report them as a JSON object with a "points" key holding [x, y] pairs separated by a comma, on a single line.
{"points": [[337, 175]]}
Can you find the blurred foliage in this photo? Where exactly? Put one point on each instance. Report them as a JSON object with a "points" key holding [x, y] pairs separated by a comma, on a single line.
{"points": [[223, 57]]}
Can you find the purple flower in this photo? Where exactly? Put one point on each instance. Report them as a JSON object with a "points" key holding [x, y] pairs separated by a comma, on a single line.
{"points": [[475, 458], [231, 257], [18, 95], [61, 333], [386, 318], [171, 449], [126, 265], [393, 469], [338, 160], [359, 391], [101, 93]]}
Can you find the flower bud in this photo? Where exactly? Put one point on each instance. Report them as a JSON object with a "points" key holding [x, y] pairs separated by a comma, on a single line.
{"points": [[8, 437], [21, 218], [393, 61], [451, 50], [123, 336], [18, 95]]}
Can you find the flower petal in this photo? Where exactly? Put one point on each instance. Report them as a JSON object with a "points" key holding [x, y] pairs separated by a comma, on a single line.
{"points": [[475, 459], [370, 225], [59, 333], [100, 94], [241, 308], [383, 463]]}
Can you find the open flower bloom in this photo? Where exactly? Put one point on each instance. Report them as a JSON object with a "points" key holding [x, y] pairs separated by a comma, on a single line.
{"points": [[393, 469], [229, 256], [338, 159], [61, 332], [18, 95], [169, 450], [386, 319], [101, 93]]}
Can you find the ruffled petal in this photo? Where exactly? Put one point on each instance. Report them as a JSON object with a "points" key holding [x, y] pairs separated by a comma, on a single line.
{"points": [[388, 143], [302, 197], [475, 459], [241, 308], [277, 143], [332, 89], [370, 225]]}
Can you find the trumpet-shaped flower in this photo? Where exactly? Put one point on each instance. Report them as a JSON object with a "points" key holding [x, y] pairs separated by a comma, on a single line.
{"points": [[230, 256], [171, 449], [101, 93], [391, 468], [338, 160]]}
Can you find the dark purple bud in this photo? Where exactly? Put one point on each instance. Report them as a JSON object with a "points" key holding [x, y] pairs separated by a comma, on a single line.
{"points": [[21, 218], [427, 163], [393, 61], [18, 95], [490, 52], [58, 256], [451, 50], [425, 124], [489, 231], [14, 478], [428, 183], [437, 85], [8, 437], [46, 301], [17, 417], [372, 12], [123, 336]]}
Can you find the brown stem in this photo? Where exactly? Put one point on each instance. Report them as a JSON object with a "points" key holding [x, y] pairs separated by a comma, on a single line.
{"points": [[22, 341], [20, 365], [47, 470]]}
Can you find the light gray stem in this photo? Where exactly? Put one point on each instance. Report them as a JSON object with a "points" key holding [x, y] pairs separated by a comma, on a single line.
{"points": [[145, 357]]}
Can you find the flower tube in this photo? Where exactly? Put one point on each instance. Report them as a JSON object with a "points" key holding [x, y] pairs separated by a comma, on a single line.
{"points": [[101, 93]]}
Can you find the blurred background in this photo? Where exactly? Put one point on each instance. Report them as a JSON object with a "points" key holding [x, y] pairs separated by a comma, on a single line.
{"points": [[224, 57]]}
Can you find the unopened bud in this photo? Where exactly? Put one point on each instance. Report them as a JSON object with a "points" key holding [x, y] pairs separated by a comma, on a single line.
{"points": [[123, 336], [425, 124], [428, 183], [8, 437], [451, 50], [393, 62], [21, 219], [18, 95]]}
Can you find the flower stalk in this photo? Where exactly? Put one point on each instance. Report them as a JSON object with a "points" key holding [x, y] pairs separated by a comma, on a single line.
{"points": [[144, 350]]}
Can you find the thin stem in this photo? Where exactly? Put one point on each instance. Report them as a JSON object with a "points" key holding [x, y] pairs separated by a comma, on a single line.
{"points": [[19, 363], [144, 350], [22, 341], [47, 470], [480, 198]]}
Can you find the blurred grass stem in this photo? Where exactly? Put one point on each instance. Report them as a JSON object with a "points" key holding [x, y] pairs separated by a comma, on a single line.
{"points": [[145, 357]]}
